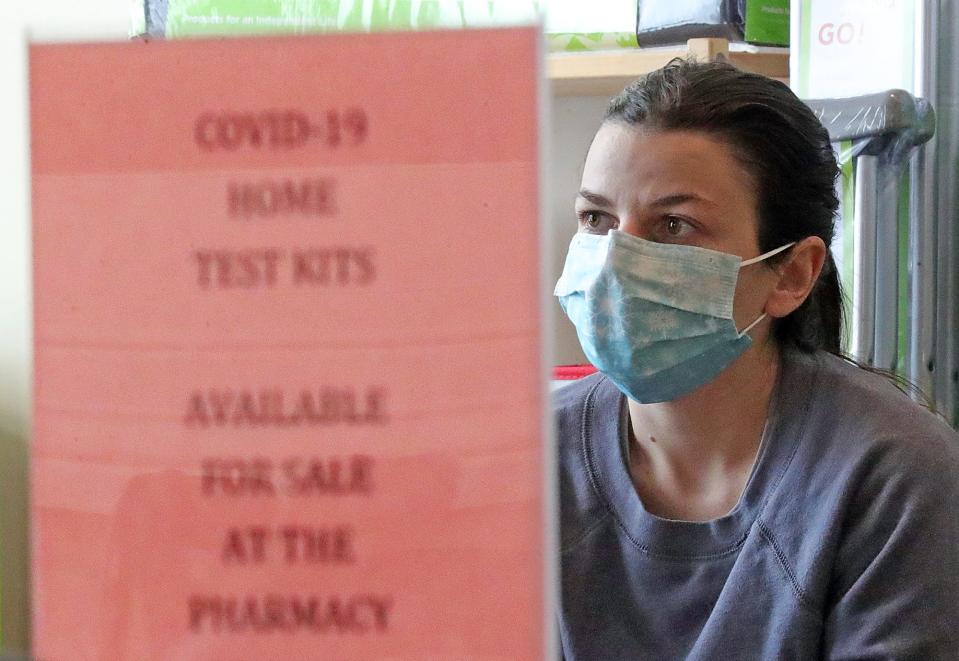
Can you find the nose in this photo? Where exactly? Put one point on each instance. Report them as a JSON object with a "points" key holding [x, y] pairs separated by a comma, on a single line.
{"points": [[631, 224]]}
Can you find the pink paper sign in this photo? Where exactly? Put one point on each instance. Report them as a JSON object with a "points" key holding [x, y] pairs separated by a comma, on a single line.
{"points": [[289, 393]]}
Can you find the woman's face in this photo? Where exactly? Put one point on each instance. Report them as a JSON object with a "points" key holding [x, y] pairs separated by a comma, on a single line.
{"points": [[677, 187]]}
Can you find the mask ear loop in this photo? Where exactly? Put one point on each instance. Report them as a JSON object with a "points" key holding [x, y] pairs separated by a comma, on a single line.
{"points": [[751, 326], [754, 260], [766, 255]]}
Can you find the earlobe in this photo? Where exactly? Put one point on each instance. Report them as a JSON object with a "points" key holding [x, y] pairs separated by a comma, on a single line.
{"points": [[798, 274]]}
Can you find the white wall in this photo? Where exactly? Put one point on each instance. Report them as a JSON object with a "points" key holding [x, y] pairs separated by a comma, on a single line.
{"points": [[37, 20]]}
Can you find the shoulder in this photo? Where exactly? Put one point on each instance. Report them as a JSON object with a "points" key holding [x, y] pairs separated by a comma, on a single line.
{"points": [[582, 404], [864, 413], [882, 476], [866, 461], [568, 400], [867, 486], [902, 455], [576, 407]]}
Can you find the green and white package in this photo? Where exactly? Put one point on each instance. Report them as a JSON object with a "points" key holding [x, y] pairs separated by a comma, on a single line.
{"points": [[569, 26], [767, 22], [668, 22]]}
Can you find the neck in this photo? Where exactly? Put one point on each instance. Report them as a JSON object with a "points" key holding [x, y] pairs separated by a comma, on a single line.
{"points": [[715, 428]]}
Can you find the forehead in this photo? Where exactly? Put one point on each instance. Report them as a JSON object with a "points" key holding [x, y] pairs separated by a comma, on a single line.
{"points": [[634, 165]]}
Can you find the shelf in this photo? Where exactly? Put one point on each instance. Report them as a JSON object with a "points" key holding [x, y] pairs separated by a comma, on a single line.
{"points": [[604, 73]]}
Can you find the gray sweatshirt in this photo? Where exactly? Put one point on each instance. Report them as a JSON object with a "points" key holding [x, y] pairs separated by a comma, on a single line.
{"points": [[844, 544]]}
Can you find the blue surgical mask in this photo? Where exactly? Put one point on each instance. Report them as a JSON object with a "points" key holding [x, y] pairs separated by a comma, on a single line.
{"points": [[656, 318]]}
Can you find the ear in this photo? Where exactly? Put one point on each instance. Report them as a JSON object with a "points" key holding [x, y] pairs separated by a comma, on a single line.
{"points": [[798, 273]]}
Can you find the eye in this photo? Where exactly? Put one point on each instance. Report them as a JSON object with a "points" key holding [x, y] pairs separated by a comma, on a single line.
{"points": [[676, 227], [595, 222]]}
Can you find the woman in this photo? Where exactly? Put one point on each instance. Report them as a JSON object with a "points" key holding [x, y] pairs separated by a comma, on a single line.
{"points": [[731, 488]]}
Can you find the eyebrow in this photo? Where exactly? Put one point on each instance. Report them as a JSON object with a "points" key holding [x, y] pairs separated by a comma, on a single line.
{"points": [[594, 198], [665, 201], [678, 198]]}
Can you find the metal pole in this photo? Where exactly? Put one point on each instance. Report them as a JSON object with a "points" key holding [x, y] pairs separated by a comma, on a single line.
{"points": [[921, 368], [944, 95], [864, 261], [887, 262]]}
